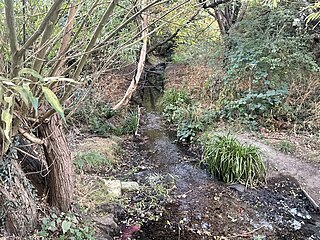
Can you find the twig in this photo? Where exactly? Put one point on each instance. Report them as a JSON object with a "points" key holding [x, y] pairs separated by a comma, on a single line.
{"points": [[313, 202], [139, 114], [247, 234]]}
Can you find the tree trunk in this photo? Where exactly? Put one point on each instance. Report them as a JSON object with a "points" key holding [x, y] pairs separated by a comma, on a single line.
{"points": [[18, 208], [59, 161]]}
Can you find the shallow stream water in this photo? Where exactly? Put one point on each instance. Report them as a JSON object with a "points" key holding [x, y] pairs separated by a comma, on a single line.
{"points": [[204, 208]]}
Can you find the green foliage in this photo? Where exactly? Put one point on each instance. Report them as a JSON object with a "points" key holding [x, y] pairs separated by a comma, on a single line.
{"points": [[266, 50], [101, 119], [65, 226], [231, 161], [188, 130], [23, 95], [285, 146], [91, 161], [179, 109], [256, 107], [175, 97], [130, 123]]}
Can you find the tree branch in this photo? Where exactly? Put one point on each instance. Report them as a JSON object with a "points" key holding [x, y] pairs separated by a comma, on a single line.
{"points": [[174, 34], [94, 37], [135, 81], [11, 24], [215, 4], [56, 5]]}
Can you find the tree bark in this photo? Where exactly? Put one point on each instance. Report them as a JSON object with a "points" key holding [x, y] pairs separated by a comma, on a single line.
{"points": [[16, 201], [59, 160]]}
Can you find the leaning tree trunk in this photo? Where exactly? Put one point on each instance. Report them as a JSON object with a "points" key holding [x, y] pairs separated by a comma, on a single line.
{"points": [[59, 161]]}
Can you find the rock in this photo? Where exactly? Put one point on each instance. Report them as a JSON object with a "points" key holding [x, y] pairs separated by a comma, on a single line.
{"points": [[113, 187], [107, 226], [238, 187], [129, 186]]}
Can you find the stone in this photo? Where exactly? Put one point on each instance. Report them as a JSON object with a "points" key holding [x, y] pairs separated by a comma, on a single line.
{"points": [[113, 187], [238, 187], [130, 186], [107, 226]]}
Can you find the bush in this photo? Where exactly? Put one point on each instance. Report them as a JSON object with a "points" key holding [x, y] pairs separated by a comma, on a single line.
{"points": [[265, 54], [180, 110], [266, 50], [175, 97], [231, 161]]}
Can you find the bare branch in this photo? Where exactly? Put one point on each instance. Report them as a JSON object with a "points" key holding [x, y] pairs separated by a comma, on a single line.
{"points": [[30, 137], [174, 34], [94, 37], [66, 36], [11, 24], [56, 5], [135, 81]]}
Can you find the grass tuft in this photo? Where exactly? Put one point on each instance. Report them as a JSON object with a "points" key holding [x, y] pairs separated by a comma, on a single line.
{"points": [[91, 161], [232, 162]]}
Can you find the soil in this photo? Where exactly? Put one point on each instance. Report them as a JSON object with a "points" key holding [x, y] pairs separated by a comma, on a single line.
{"points": [[306, 173]]}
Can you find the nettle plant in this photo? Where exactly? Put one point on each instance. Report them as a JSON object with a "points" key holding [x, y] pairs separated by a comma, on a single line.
{"points": [[255, 105]]}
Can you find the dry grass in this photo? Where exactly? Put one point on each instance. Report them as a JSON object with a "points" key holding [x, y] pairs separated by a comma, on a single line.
{"points": [[192, 77], [106, 146]]}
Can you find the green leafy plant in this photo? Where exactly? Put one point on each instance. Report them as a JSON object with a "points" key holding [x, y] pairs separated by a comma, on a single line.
{"points": [[24, 94], [231, 161], [187, 131], [130, 123], [255, 107], [285, 146], [91, 161], [65, 226], [175, 97], [179, 110]]}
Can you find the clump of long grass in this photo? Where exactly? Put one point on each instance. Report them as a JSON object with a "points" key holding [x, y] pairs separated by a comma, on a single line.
{"points": [[232, 161]]}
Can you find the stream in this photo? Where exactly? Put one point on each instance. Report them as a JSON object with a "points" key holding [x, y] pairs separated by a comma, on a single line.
{"points": [[205, 208]]}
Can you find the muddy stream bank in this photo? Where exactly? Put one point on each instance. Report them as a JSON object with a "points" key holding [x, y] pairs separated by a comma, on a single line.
{"points": [[203, 208]]}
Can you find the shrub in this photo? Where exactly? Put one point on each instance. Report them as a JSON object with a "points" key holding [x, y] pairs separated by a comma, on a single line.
{"points": [[255, 107], [175, 97], [266, 50], [180, 110], [231, 161], [130, 123]]}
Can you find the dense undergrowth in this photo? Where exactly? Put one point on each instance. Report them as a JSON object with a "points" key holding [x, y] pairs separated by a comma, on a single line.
{"points": [[97, 117], [265, 76], [265, 72]]}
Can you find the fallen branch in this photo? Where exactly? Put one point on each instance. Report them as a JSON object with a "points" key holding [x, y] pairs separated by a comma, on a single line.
{"points": [[135, 81], [138, 122]]}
